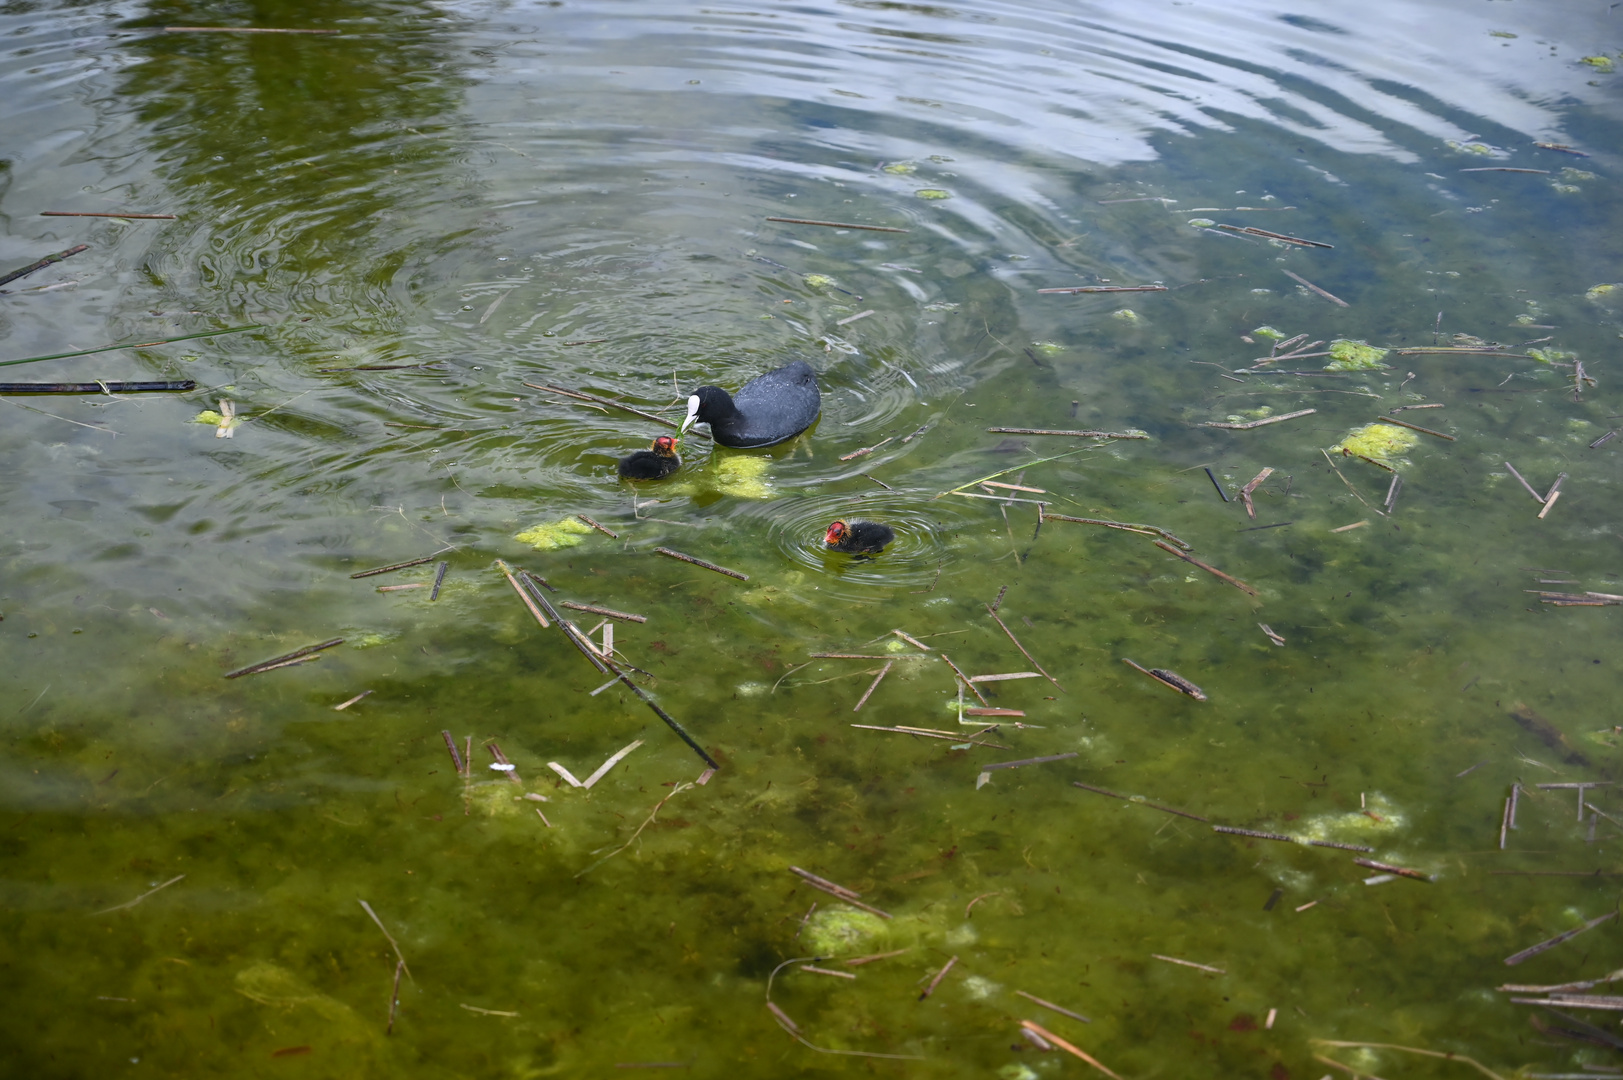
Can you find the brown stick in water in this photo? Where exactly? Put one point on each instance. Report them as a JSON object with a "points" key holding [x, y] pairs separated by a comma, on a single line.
{"points": [[1214, 571], [277, 661], [701, 563], [866, 694], [43, 263]]}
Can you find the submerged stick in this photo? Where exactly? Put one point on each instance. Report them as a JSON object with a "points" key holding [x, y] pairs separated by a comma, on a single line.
{"points": [[1305, 283], [1170, 679], [1245, 492], [1543, 946], [1057, 1008], [1413, 427], [608, 612], [1387, 868], [133, 345], [935, 982], [966, 679], [1214, 571], [850, 896], [1043, 1033], [836, 224], [670, 721], [1073, 434], [1190, 963], [105, 213], [1276, 236], [1015, 468], [866, 694], [1124, 526], [1259, 423], [613, 404], [667, 552], [394, 996], [104, 387], [1140, 802], [993, 612], [143, 896], [456, 758], [43, 263], [297, 654], [605, 530], [1103, 289], [439, 578], [391, 568], [1221, 494], [398, 955], [926, 733], [523, 595]]}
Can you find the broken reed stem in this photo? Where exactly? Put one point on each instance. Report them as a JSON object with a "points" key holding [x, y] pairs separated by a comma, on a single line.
{"points": [[849, 896], [835, 224], [873, 686], [950, 736], [278, 661], [1072, 434], [1338, 301], [973, 689], [391, 568], [105, 213], [992, 611], [1170, 679], [677, 555], [439, 579], [1259, 423], [1190, 963], [1297, 240], [1015, 468], [670, 721], [1057, 1008], [43, 263], [398, 955], [394, 996], [143, 896], [915, 642], [1245, 492], [1103, 289], [935, 982], [604, 529], [1042, 1032], [1388, 868], [523, 595], [1288, 839], [133, 345], [1413, 427], [100, 387], [1543, 946], [607, 612], [456, 758], [1124, 526], [612, 404], [1214, 571], [1477, 1065], [1141, 802]]}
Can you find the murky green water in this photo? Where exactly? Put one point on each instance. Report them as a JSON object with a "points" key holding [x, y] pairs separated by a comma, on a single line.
{"points": [[441, 204]]}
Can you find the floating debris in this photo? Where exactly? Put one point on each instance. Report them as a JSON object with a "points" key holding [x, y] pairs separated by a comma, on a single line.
{"points": [[1348, 355], [554, 535]]}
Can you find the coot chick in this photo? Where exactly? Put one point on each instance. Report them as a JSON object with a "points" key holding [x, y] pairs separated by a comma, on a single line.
{"points": [[866, 537], [766, 410], [653, 464]]}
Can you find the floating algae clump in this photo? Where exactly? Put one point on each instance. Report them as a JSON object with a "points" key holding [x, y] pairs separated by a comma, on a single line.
{"points": [[841, 930], [1126, 315], [1599, 63], [550, 536], [1268, 332], [933, 193], [1552, 356], [1348, 355], [1378, 442], [743, 476], [1599, 291], [901, 168], [819, 281]]}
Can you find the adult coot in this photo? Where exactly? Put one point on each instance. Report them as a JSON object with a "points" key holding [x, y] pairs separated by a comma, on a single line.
{"points": [[769, 409], [864, 537], [652, 464]]}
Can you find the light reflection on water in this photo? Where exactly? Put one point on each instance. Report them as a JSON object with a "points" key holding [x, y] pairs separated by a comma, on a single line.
{"points": [[446, 203]]}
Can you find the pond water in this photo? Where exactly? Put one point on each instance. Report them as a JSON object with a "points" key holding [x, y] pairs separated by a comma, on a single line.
{"points": [[409, 229]]}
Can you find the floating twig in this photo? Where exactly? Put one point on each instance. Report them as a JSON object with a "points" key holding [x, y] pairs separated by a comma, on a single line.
{"points": [[1214, 571], [1523, 481], [1004, 676], [1387, 868], [1451, 1056], [853, 318], [992, 611], [1037, 1029], [394, 996], [935, 982], [278, 661], [104, 213], [1266, 629], [848, 895], [1245, 492], [398, 955], [866, 450], [1550, 502], [439, 578], [877, 679], [607, 612], [1221, 494], [815, 970], [523, 595], [456, 756], [927, 733], [143, 896], [604, 529], [391, 568], [858, 961], [614, 759], [1297, 240], [835, 224], [860, 656], [677, 555], [1171, 679], [612, 404], [1503, 168], [1057, 1008], [973, 689], [1005, 472], [972, 711], [985, 769], [344, 705], [43, 263], [240, 30], [915, 642], [1413, 427], [132, 345], [1543, 946], [1259, 423], [1124, 526], [1350, 528], [1603, 440], [103, 387], [1103, 289], [1072, 434], [1141, 802], [1190, 963], [1305, 283]]}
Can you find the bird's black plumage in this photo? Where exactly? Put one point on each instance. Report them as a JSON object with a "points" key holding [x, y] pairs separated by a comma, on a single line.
{"points": [[865, 537], [652, 464], [768, 409]]}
